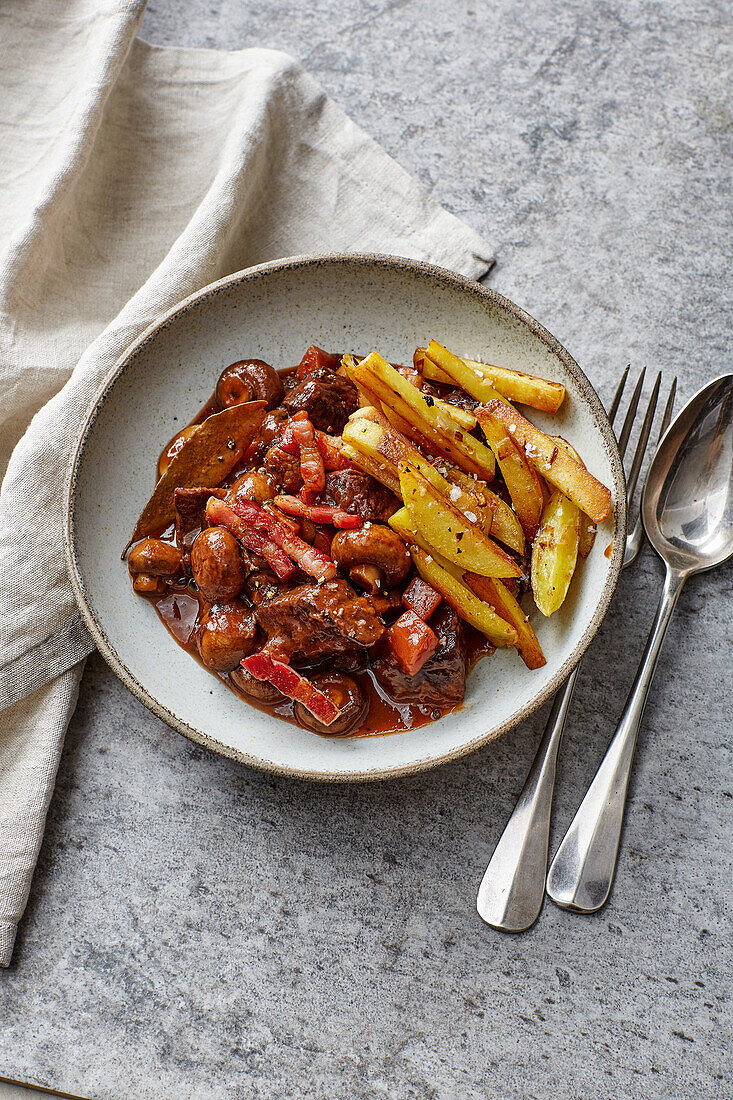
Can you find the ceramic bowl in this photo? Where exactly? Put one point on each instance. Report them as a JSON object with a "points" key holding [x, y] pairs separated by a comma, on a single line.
{"points": [[274, 312]]}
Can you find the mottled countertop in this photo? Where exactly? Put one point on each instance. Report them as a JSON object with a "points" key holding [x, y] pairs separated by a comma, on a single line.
{"points": [[199, 930]]}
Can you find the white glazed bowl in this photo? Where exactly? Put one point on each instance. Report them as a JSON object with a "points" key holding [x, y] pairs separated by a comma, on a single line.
{"points": [[274, 312]]}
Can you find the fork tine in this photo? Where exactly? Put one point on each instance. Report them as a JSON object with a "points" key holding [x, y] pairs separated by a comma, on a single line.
{"points": [[617, 396], [623, 439], [646, 428], [668, 408]]}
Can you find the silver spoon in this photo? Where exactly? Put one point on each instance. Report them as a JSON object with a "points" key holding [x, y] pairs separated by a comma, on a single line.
{"points": [[687, 509]]}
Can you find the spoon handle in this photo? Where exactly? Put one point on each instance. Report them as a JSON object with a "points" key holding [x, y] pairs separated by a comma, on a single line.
{"points": [[513, 887], [582, 871]]}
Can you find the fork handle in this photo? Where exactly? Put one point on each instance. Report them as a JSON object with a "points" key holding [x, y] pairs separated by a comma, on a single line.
{"points": [[582, 871], [513, 887]]}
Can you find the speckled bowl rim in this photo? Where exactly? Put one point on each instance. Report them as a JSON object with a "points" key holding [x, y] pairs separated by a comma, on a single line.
{"points": [[430, 272]]}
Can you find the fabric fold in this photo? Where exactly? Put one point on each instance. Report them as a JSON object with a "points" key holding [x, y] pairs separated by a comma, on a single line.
{"points": [[133, 176]]}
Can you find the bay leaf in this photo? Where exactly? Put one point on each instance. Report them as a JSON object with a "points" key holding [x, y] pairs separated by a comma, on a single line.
{"points": [[209, 456]]}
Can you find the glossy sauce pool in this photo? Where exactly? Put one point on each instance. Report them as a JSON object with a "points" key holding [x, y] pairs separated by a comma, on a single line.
{"points": [[179, 610]]}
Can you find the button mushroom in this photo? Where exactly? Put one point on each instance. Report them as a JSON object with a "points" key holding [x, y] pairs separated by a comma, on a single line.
{"points": [[249, 380], [226, 635], [155, 558], [347, 694], [217, 565], [372, 545]]}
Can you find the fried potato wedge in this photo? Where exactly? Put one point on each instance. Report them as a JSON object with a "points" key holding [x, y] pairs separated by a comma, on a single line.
{"points": [[522, 482], [459, 373], [587, 528], [381, 471], [504, 524], [433, 409], [555, 553], [455, 536], [497, 595], [477, 613], [420, 417], [437, 364], [428, 369], [554, 462], [527, 389], [369, 432], [446, 579]]}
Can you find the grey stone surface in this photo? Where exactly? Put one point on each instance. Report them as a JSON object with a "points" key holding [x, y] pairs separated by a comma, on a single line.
{"points": [[198, 930]]}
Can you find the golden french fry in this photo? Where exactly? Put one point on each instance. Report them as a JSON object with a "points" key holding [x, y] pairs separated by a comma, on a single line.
{"points": [[455, 535], [555, 553], [554, 462], [519, 475], [462, 600], [587, 528], [497, 595], [443, 576], [438, 413], [459, 373], [455, 445], [513, 385], [427, 368], [369, 432]]}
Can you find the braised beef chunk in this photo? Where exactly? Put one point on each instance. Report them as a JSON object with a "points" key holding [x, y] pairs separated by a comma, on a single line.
{"points": [[441, 682], [461, 400], [190, 505], [285, 468], [359, 493], [313, 620], [328, 399]]}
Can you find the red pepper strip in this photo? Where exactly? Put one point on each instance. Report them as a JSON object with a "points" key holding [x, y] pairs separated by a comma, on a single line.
{"points": [[312, 469], [412, 642], [292, 684], [421, 598], [222, 515], [311, 561], [319, 513]]}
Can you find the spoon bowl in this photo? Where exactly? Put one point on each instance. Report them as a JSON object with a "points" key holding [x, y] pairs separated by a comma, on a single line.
{"points": [[687, 507]]}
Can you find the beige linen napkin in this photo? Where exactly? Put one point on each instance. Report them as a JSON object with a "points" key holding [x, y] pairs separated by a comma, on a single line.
{"points": [[131, 177]]}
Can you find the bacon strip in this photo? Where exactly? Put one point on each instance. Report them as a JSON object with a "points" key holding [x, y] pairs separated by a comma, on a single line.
{"points": [[329, 446], [318, 513], [222, 515], [311, 463], [288, 441], [311, 561], [421, 598], [292, 684]]}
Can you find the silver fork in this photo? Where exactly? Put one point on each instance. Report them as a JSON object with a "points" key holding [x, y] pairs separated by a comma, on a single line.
{"points": [[512, 890]]}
